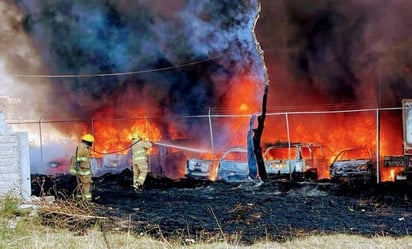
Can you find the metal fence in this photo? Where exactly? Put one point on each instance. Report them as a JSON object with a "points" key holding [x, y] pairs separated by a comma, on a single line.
{"points": [[380, 129]]}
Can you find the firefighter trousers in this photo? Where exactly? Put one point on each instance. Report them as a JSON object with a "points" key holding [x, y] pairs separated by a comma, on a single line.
{"points": [[85, 182], [140, 170]]}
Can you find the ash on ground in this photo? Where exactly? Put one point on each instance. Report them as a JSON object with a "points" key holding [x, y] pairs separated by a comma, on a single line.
{"points": [[275, 210]]}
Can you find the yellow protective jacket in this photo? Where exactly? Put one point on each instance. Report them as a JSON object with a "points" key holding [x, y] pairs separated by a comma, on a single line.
{"points": [[82, 159], [139, 150]]}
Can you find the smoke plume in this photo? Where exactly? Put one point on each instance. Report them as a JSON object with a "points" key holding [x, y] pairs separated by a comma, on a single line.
{"points": [[317, 52], [334, 52], [94, 38]]}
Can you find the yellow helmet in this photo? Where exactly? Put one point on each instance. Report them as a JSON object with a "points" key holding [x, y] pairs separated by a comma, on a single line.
{"points": [[88, 138]]}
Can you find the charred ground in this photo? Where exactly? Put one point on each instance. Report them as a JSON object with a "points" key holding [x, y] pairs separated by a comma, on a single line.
{"points": [[275, 210]]}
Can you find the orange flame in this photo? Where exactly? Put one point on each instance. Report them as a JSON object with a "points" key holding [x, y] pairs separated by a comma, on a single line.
{"points": [[335, 131], [241, 99], [115, 135], [340, 131]]}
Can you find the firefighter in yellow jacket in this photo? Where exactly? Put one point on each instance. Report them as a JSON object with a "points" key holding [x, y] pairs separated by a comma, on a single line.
{"points": [[140, 150], [81, 166]]}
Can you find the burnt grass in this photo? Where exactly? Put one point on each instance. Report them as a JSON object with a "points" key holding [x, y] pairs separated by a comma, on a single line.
{"points": [[276, 210]]}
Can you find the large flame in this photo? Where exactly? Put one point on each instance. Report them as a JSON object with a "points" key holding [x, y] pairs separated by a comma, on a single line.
{"points": [[338, 131], [115, 135]]}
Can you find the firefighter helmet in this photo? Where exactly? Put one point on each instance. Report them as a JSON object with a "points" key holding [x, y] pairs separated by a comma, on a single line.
{"points": [[88, 138]]}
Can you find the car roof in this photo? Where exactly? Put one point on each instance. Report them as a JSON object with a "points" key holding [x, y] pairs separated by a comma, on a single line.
{"points": [[285, 144], [237, 149]]}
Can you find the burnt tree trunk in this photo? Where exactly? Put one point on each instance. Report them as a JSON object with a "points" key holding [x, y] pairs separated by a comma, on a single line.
{"points": [[257, 135], [257, 132]]}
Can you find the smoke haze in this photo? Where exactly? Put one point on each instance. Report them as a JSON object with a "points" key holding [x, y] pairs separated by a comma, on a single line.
{"points": [[317, 52], [108, 37], [323, 52]]}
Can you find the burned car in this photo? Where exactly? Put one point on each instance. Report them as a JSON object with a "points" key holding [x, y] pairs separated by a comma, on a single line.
{"points": [[233, 165], [354, 164], [295, 161], [229, 166], [202, 167]]}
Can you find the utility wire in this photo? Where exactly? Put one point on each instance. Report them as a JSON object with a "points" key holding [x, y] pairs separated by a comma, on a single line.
{"points": [[113, 74]]}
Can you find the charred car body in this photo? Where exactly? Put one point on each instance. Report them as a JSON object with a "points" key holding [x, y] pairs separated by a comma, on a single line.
{"points": [[294, 160], [200, 168], [230, 166], [234, 166], [354, 164]]}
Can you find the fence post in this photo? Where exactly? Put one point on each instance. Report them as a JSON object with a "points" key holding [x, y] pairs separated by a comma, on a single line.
{"points": [[211, 131], [92, 123], [377, 145], [288, 135], [41, 142]]}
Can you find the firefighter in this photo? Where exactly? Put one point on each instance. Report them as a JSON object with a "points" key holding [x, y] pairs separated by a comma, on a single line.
{"points": [[140, 163], [81, 166]]}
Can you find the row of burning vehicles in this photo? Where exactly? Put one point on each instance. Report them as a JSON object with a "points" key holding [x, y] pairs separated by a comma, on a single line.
{"points": [[281, 160], [285, 160]]}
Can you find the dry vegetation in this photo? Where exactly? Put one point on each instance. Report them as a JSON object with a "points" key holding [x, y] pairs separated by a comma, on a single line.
{"points": [[71, 224]]}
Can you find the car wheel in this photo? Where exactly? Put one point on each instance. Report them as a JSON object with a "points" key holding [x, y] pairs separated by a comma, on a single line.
{"points": [[297, 176], [310, 175]]}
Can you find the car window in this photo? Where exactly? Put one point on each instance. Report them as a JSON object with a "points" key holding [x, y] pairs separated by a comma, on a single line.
{"points": [[281, 153], [236, 156], [354, 154], [306, 152]]}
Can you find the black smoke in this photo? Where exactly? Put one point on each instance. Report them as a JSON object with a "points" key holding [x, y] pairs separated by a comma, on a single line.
{"points": [[334, 52], [93, 37]]}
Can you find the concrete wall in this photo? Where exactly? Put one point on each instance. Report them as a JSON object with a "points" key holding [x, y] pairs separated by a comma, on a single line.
{"points": [[14, 162]]}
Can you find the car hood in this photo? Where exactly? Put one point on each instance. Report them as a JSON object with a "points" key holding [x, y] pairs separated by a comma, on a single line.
{"points": [[349, 164]]}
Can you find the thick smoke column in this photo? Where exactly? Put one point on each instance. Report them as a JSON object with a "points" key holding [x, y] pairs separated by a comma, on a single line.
{"points": [[317, 52], [337, 51], [102, 37]]}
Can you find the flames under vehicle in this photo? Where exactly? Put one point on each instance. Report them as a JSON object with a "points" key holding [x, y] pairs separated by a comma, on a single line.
{"points": [[354, 164], [294, 160], [403, 163], [200, 168]]}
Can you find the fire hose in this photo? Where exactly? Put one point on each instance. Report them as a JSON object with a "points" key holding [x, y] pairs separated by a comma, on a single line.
{"points": [[183, 147], [160, 144]]}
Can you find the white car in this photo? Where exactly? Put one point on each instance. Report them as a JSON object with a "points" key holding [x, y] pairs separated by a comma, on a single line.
{"points": [[230, 166], [234, 166], [354, 164], [294, 160], [201, 169]]}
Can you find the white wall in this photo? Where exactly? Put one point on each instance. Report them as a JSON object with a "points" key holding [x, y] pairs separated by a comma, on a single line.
{"points": [[14, 162]]}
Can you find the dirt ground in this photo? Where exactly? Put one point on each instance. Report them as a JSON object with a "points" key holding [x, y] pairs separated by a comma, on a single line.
{"points": [[275, 210]]}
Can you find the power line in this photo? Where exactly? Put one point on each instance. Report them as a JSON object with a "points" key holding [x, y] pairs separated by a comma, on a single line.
{"points": [[113, 74]]}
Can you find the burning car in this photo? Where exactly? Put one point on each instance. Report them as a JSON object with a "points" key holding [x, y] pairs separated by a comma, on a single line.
{"points": [[233, 165], [201, 168], [230, 166], [354, 164], [294, 160]]}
